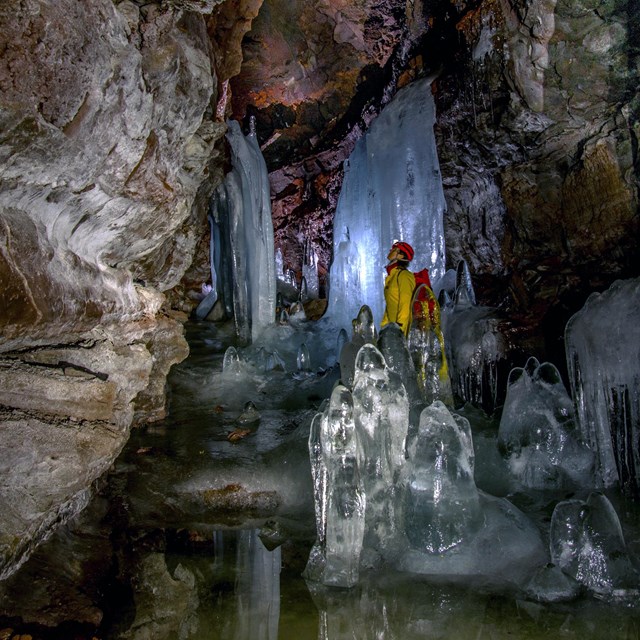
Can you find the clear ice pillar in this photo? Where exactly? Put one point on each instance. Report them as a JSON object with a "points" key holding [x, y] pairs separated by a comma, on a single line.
{"points": [[441, 505], [345, 495]]}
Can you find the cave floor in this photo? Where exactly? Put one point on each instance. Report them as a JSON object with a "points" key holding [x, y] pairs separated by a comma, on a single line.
{"points": [[196, 534]]}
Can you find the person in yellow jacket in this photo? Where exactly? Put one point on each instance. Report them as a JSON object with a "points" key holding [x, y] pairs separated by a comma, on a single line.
{"points": [[399, 286]]}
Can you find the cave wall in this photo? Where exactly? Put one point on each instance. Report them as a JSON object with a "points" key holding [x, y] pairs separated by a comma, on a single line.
{"points": [[538, 140], [111, 128]]}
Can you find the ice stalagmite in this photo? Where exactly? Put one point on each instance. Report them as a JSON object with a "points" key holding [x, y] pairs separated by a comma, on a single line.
{"points": [[382, 419], [393, 346], [603, 356], [538, 432], [316, 563], [427, 348], [345, 496], [587, 543], [364, 331], [441, 504]]}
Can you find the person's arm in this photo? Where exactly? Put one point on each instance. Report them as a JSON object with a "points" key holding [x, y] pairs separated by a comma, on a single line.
{"points": [[406, 285]]}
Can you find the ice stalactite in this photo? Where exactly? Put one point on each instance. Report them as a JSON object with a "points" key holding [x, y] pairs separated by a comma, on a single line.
{"points": [[250, 229], [603, 351], [392, 190], [310, 271], [474, 344]]}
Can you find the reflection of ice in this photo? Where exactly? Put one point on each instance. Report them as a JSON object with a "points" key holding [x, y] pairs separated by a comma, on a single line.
{"points": [[257, 589]]}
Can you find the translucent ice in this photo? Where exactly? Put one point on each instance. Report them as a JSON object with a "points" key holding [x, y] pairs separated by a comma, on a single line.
{"points": [[346, 499], [440, 503], [310, 271], [551, 584], [381, 409], [252, 230], [363, 331], [392, 189], [474, 347], [393, 346], [538, 433], [382, 418], [427, 347], [464, 293], [603, 355], [587, 543], [303, 359]]}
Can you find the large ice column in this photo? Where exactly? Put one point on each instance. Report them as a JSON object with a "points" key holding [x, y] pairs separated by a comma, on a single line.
{"points": [[392, 190], [252, 235], [603, 355], [354, 274]]}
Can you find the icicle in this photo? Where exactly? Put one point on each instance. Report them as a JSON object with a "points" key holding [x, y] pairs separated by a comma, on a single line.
{"points": [[303, 359], [603, 351]]}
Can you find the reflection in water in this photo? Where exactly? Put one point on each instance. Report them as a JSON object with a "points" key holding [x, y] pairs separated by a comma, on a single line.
{"points": [[172, 550], [257, 589]]}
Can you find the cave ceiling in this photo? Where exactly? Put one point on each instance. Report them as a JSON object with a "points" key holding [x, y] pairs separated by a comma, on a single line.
{"points": [[314, 76], [310, 71]]}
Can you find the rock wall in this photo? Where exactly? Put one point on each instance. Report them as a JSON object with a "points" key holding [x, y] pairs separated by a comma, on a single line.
{"points": [[538, 140], [110, 144]]}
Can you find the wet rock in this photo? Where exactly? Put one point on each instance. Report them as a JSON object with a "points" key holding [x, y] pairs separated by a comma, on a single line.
{"points": [[165, 604], [235, 498]]}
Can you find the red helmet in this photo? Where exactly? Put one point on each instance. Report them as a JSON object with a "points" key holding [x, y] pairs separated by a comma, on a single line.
{"points": [[406, 248]]}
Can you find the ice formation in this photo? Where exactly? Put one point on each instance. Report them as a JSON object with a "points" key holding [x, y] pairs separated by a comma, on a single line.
{"points": [[603, 351], [474, 345], [587, 543], [427, 348], [310, 271], [244, 207], [392, 466], [441, 504], [418, 507], [538, 431], [340, 513], [392, 190]]}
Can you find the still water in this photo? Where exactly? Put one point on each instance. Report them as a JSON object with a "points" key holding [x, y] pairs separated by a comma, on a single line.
{"points": [[193, 535]]}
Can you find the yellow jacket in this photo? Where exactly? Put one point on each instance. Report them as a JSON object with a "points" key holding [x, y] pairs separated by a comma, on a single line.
{"points": [[398, 294]]}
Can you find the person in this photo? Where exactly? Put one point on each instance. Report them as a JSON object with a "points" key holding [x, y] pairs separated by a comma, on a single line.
{"points": [[399, 286]]}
